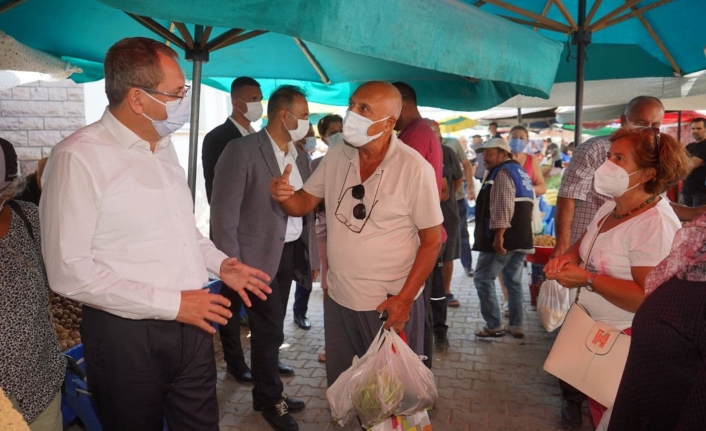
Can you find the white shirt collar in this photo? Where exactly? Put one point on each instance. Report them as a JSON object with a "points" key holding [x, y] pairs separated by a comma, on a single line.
{"points": [[243, 130], [125, 136], [291, 149]]}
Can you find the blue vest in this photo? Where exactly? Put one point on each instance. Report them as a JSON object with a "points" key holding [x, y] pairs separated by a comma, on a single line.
{"points": [[519, 235]]}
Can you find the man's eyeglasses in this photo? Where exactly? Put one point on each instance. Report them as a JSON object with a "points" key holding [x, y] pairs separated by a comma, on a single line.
{"points": [[180, 95], [360, 212]]}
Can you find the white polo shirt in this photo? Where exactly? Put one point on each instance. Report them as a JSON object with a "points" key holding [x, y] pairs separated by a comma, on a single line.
{"points": [[365, 267]]}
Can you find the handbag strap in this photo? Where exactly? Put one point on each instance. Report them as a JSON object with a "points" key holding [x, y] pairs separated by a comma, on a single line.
{"points": [[590, 249]]}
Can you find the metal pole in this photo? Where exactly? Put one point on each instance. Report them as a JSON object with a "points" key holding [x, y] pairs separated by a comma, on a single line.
{"points": [[194, 127], [679, 126], [581, 38], [519, 115]]}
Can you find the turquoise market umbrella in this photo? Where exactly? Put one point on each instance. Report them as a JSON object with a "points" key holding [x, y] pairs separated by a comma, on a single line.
{"points": [[614, 39], [455, 54]]}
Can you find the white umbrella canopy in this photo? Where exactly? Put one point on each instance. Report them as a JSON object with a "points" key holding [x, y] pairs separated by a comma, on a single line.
{"points": [[20, 64], [677, 93]]}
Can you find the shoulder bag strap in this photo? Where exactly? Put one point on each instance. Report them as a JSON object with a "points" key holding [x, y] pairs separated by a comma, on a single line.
{"points": [[18, 210], [590, 249]]}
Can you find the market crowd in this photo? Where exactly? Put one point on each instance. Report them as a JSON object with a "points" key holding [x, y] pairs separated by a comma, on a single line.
{"points": [[380, 218]]}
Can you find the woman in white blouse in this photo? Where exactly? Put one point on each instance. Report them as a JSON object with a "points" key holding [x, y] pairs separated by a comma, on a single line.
{"points": [[635, 229]]}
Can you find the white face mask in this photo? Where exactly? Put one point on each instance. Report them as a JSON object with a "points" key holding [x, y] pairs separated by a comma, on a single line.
{"points": [[301, 130], [178, 114], [355, 129], [335, 139], [309, 144], [612, 180], [254, 111]]}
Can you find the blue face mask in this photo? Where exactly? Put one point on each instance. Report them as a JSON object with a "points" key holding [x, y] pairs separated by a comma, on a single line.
{"points": [[309, 144], [517, 145], [178, 114]]}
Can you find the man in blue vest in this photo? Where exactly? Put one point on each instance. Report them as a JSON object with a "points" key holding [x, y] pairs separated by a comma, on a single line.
{"points": [[503, 236]]}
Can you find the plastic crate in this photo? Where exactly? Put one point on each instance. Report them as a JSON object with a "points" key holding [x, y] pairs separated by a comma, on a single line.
{"points": [[76, 401]]}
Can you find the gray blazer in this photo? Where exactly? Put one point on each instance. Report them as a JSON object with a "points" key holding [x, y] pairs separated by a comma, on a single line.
{"points": [[247, 223]]}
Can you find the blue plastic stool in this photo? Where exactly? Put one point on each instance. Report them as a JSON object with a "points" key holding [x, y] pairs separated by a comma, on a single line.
{"points": [[76, 400]]}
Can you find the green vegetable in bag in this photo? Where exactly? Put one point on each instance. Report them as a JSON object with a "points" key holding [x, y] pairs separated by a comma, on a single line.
{"points": [[377, 396]]}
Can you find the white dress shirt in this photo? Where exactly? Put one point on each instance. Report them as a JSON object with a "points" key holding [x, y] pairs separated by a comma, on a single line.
{"points": [[118, 229], [294, 224], [243, 130]]}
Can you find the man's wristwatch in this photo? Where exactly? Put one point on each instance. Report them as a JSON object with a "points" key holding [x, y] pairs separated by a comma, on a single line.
{"points": [[589, 283]]}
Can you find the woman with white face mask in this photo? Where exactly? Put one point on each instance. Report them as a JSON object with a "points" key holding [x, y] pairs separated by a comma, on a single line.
{"points": [[633, 231]]}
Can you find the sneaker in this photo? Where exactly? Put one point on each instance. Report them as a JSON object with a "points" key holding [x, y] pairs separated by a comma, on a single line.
{"points": [[516, 331], [279, 418], [451, 301]]}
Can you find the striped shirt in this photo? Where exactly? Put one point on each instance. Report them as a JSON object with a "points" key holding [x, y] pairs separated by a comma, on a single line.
{"points": [[577, 183], [502, 201]]}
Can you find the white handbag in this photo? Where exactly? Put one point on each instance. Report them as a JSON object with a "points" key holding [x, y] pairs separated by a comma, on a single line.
{"points": [[588, 354]]}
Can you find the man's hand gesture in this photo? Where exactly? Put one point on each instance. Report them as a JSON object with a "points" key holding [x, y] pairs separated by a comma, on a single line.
{"points": [[280, 189], [241, 278]]}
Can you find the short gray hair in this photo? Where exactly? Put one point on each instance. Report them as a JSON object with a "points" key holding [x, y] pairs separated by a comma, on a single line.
{"points": [[16, 187]]}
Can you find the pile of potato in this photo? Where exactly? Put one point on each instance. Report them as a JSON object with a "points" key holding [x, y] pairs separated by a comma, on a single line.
{"points": [[544, 241], [66, 320]]}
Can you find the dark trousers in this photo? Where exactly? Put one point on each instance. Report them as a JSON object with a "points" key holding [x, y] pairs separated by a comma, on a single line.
{"points": [[266, 328], [142, 372], [438, 298], [428, 321], [466, 257], [230, 333], [301, 300], [570, 393]]}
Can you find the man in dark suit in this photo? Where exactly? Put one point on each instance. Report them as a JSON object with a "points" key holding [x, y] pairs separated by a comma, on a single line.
{"points": [[246, 98], [249, 225]]}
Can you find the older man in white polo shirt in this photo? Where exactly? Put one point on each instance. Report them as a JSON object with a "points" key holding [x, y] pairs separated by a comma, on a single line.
{"points": [[384, 224]]}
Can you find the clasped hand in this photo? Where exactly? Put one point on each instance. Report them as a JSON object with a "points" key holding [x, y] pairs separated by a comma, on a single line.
{"points": [[280, 189], [397, 312], [565, 270]]}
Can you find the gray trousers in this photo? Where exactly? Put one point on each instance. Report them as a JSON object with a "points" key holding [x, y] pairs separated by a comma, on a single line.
{"points": [[347, 333]]}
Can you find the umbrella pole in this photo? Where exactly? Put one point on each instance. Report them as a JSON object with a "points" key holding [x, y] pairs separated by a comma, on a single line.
{"points": [[582, 37], [679, 126], [194, 127]]}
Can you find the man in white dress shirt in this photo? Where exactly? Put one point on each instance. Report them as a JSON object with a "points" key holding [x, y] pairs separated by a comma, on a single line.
{"points": [[119, 235]]}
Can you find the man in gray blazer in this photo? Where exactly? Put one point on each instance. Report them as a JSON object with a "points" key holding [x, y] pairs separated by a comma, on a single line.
{"points": [[249, 225]]}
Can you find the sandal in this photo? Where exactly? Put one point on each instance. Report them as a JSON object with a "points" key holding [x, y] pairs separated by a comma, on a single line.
{"points": [[495, 333], [516, 331]]}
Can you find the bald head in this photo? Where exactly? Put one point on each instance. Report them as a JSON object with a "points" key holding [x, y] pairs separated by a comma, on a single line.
{"points": [[643, 111], [382, 98]]}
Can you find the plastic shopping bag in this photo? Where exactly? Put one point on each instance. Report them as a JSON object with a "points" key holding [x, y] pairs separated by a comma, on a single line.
{"points": [[420, 391], [339, 394], [388, 380], [416, 422], [377, 390], [552, 304]]}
